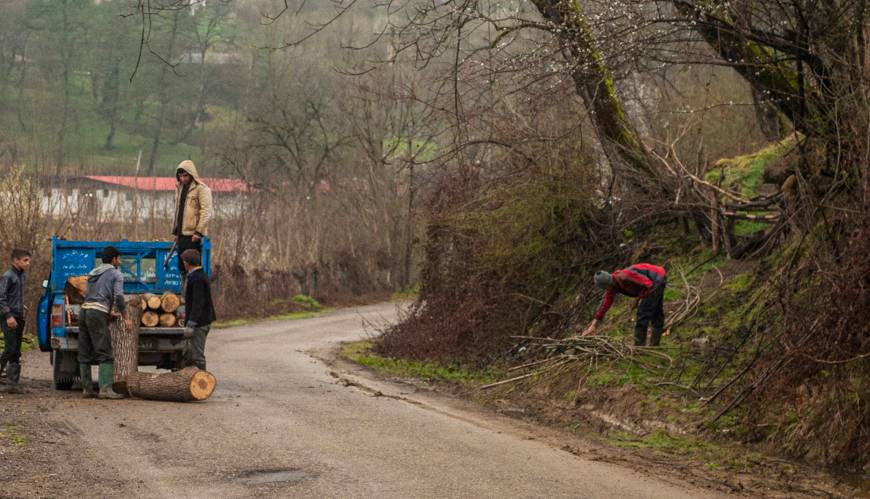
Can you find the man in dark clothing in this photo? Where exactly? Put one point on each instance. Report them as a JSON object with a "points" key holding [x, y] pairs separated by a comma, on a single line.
{"points": [[198, 309], [104, 302], [193, 210], [643, 281], [12, 286]]}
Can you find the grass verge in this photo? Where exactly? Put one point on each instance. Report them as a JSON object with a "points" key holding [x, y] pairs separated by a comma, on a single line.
{"points": [[361, 353], [292, 316]]}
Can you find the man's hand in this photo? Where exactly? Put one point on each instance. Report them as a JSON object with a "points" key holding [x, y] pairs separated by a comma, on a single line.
{"points": [[128, 323], [591, 329], [196, 238], [11, 322]]}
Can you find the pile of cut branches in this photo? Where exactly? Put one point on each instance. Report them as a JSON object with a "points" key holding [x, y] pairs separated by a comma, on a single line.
{"points": [[588, 349]]}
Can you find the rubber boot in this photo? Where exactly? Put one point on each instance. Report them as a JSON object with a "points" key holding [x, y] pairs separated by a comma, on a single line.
{"points": [[639, 337], [107, 375], [88, 391], [13, 374]]}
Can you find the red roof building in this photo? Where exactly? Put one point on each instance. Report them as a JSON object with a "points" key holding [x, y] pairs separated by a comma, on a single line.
{"points": [[168, 183]]}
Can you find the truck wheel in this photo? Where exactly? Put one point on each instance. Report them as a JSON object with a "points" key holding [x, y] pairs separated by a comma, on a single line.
{"points": [[63, 379]]}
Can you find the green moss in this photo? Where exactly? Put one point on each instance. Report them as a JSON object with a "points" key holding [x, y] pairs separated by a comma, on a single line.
{"points": [[739, 283], [746, 228], [661, 440], [361, 353], [11, 434], [307, 302], [745, 172]]}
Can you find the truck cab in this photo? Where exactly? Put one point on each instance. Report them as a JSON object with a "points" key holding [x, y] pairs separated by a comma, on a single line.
{"points": [[142, 266]]}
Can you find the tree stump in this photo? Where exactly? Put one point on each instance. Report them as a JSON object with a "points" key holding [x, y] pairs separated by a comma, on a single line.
{"points": [[185, 385], [152, 300], [150, 318], [167, 320], [125, 347], [169, 302]]}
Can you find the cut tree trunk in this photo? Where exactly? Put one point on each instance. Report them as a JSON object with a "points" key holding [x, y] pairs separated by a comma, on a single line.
{"points": [[169, 302], [150, 318], [190, 383], [125, 347], [167, 320]]}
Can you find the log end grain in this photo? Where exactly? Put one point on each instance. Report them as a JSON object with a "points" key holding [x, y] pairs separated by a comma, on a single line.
{"points": [[150, 319], [202, 385], [169, 302]]}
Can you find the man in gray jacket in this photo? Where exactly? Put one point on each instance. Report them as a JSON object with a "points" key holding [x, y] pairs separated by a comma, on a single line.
{"points": [[12, 317], [104, 302]]}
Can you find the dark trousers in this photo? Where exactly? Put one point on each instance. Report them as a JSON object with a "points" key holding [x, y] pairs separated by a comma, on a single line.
{"points": [[11, 355], [186, 243], [95, 341], [651, 310], [194, 351]]}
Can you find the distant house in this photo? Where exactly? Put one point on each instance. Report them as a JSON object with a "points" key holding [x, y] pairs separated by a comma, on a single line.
{"points": [[139, 198]]}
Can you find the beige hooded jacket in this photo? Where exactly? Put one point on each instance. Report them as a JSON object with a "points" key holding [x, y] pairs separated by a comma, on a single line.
{"points": [[197, 205]]}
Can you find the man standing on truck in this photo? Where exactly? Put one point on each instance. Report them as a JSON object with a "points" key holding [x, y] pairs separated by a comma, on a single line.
{"points": [[12, 318], [198, 309], [193, 210], [104, 301], [643, 281]]}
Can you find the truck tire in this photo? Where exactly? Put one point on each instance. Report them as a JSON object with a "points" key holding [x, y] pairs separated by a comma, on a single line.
{"points": [[63, 378]]}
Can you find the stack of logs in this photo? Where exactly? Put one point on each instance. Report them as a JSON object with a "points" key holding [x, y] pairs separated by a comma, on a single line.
{"points": [[159, 310]]}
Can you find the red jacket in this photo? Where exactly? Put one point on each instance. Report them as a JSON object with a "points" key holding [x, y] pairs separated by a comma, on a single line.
{"points": [[636, 281]]}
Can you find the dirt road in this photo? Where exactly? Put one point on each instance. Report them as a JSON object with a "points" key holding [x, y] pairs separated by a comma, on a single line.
{"points": [[284, 423]]}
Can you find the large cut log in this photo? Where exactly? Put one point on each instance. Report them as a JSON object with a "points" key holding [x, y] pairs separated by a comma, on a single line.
{"points": [[167, 320], [169, 302], [75, 288], [125, 346], [150, 318], [190, 383], [152, 300]]}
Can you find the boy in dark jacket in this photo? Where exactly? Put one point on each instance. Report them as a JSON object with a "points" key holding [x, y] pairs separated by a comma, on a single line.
{"points": [[12, 317], [198, 308], [644, 281]]}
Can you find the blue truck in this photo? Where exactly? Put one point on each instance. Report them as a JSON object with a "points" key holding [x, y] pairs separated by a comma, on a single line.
{"points": [[142, 264]]}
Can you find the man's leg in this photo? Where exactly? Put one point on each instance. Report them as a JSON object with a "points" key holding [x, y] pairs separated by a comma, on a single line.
{"points": [[12, 350], [186, 243], [3, 362], [658, 318], [644, 313], [197, 346], [86, 354], [102, 343]]}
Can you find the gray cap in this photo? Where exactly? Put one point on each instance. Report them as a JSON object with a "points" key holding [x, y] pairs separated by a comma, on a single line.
{"points": [[603, 279]]}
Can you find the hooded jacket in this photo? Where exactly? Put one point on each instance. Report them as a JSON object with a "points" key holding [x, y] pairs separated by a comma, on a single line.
{"points": [[197, 204], [105, 289]]}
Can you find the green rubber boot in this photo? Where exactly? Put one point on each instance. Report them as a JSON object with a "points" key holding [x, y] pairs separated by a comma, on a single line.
{"points": [[107, 375], [87, 381]]}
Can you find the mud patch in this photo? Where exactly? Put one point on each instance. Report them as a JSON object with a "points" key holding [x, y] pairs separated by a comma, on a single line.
{"points": [[289, 476]]}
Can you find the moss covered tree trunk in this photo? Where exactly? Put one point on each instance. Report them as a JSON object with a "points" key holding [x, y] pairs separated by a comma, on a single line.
{"points": [[594, 83]]}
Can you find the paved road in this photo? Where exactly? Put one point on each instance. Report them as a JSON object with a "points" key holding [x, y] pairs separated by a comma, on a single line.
{"points": [[283, 423]]}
